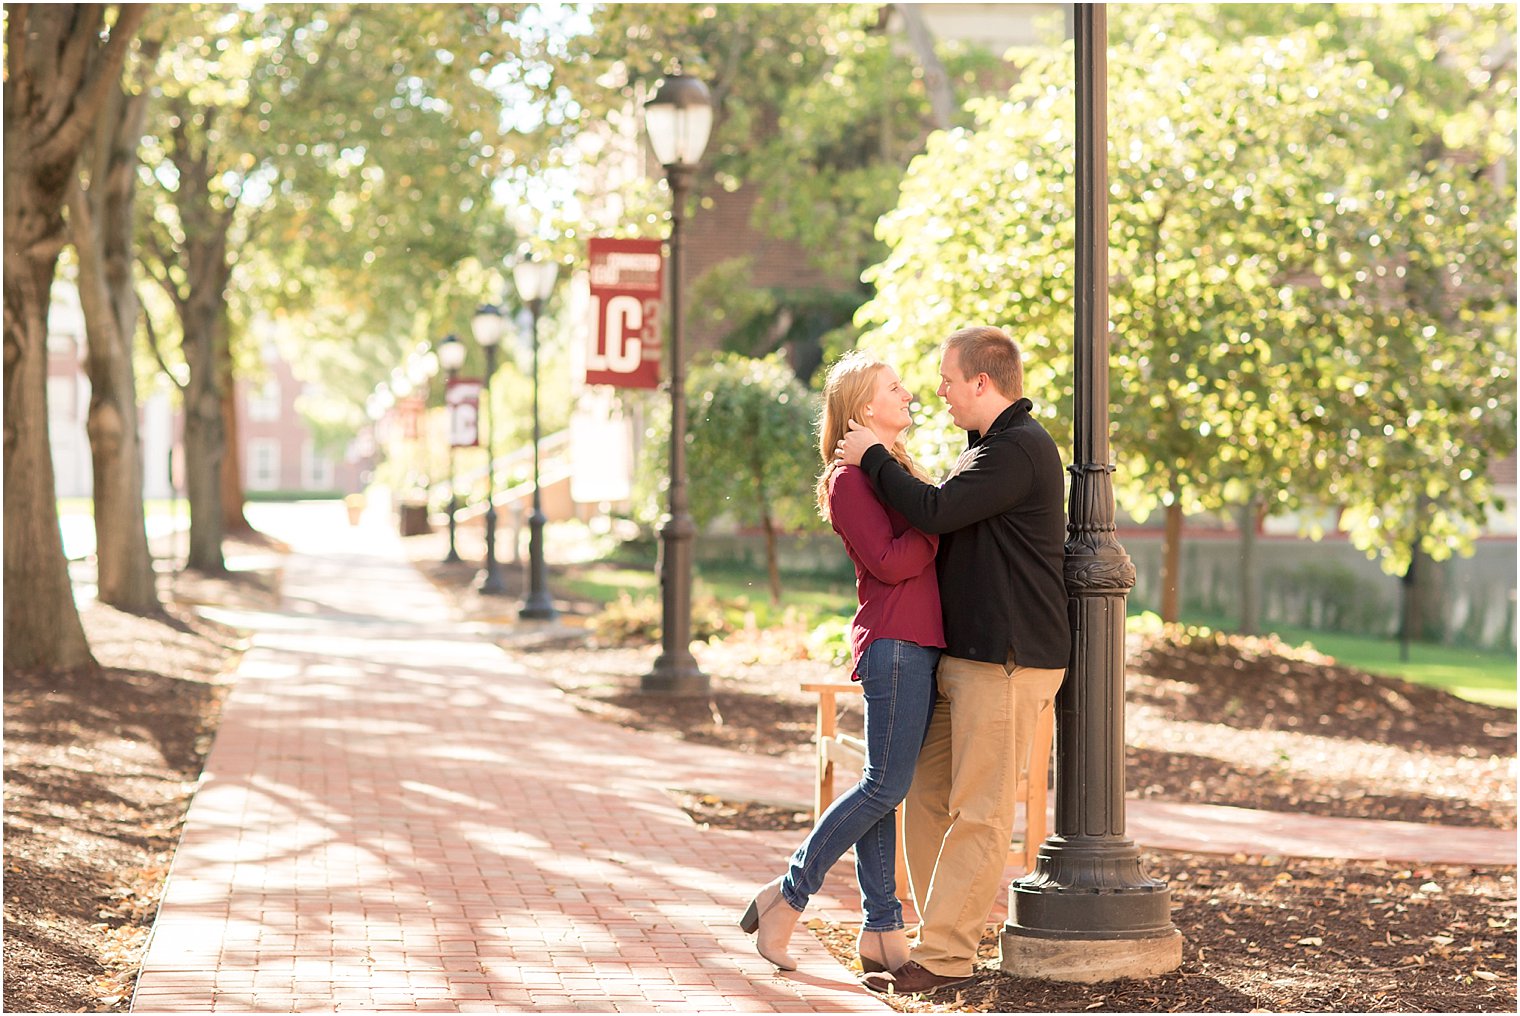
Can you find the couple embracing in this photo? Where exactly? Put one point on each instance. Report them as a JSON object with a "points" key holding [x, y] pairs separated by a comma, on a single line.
{"points": [[962, 637]]}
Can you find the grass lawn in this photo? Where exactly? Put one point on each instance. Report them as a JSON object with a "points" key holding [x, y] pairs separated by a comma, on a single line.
{"points": [[1488, 677], [814, 598], [1473, 674], [151, 506]]}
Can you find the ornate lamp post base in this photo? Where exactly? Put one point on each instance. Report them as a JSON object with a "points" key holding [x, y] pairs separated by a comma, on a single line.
{"points": [[675, 676], [492, 585], [453, 555], [1090, 960], [675, 670], [539, 606]]}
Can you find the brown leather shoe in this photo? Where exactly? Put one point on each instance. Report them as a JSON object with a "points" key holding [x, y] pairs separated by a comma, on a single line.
{"points": [[911, 979]]}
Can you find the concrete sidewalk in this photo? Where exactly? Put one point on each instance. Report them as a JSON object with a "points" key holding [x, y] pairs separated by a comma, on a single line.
{"points": [[399, 816]]}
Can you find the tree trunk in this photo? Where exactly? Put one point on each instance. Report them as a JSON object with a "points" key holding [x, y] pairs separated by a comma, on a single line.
{"points": [[42, 626], [772, 559], [201, 301], [204, 437], [1171, 563], [58, 72], [1418, 590], [234, 522], [936, 81], [101, 227], [1250, 581], [1409, 606]]}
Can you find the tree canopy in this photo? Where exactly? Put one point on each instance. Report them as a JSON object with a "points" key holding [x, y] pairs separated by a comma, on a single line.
{"points": [[1271, 200]]}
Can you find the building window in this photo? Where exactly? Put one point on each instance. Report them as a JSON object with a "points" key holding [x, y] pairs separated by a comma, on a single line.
{"points": [[264, 402], [317, 469], [263, 464]]}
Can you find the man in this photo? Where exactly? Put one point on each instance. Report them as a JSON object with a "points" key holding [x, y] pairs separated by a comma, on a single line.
{"points": [[1002, 526]]}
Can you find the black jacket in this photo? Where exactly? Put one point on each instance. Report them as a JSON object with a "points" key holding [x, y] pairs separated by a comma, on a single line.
{"points": [[1002, 528]]}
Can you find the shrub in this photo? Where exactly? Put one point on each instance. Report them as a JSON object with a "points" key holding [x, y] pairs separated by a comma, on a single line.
{"points": [[627, 621]]}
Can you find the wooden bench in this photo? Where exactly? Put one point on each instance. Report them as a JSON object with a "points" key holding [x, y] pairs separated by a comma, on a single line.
{"points": [[835, 747]]}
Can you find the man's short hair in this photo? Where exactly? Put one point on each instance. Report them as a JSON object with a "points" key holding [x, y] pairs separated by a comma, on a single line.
{"points": [[983, 349]]}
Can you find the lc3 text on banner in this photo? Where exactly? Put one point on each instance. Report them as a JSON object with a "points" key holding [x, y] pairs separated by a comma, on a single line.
{"points": [[624, 337]]}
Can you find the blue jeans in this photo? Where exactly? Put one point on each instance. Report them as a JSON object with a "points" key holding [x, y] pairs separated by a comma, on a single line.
{"points": [[898, 680]]}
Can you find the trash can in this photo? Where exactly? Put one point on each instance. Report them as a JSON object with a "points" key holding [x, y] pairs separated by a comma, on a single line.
{"points": [[414, 518]]}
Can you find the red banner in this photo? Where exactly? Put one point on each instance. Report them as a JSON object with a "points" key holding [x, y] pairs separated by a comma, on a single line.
{"points": [[462, 396], [627, 277]]}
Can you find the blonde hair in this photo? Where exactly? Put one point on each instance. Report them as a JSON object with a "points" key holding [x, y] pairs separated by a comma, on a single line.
{"points": [[849, 387]]}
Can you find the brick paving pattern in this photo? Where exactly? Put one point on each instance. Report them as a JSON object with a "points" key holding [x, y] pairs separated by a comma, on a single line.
{"points": [[399, 816], [395, 817]]}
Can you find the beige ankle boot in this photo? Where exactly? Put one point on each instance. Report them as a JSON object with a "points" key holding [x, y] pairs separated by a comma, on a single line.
{"points": [[772, 920], [882, 950]]}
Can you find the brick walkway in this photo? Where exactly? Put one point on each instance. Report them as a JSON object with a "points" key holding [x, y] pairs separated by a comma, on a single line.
{"points": [[397, 817]]}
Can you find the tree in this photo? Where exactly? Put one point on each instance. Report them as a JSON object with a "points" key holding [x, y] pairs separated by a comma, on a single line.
{"points": [[752, 454], [101, 230], [61, 63], [346, 143], [1437, 292], [753, 451], [1246, 213]]}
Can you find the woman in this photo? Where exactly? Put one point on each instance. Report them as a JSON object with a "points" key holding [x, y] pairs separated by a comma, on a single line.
{"points": [[896, 638]]}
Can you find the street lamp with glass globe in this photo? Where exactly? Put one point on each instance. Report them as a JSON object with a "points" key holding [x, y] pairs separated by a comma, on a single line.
{"points": [[534, 279], [678, 120], [488, 326], [451, 353]]}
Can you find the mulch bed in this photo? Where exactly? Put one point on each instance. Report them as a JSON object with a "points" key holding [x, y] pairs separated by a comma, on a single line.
{"points": [[100, 766], [1284, 935], [1262, 684]]}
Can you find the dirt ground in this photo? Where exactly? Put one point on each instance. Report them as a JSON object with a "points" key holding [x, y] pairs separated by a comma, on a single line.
{"points": [[99, 770], [1210, 719]]}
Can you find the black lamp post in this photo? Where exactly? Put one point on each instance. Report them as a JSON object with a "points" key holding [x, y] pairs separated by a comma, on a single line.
{"points": [[489, 326], [678, 120], [535, 281], [1089, 912], [451, 357]]}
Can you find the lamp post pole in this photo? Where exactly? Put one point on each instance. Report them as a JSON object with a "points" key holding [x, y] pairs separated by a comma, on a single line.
{"points": [[487, 325], [1089, 912], [534, 281], [678, 120], [451, 355]]}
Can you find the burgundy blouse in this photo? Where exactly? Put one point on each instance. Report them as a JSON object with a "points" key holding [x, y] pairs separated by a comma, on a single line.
{"points": [[894, 567]]}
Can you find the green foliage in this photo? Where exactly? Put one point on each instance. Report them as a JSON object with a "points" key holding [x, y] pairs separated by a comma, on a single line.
{"points": [[750, 455], [756, 321], [628, 621], [344, 157], [1305, 304], [830, 640]]}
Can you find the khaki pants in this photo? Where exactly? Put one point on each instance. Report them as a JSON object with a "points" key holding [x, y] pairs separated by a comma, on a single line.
{"points": [[958, 817]]}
